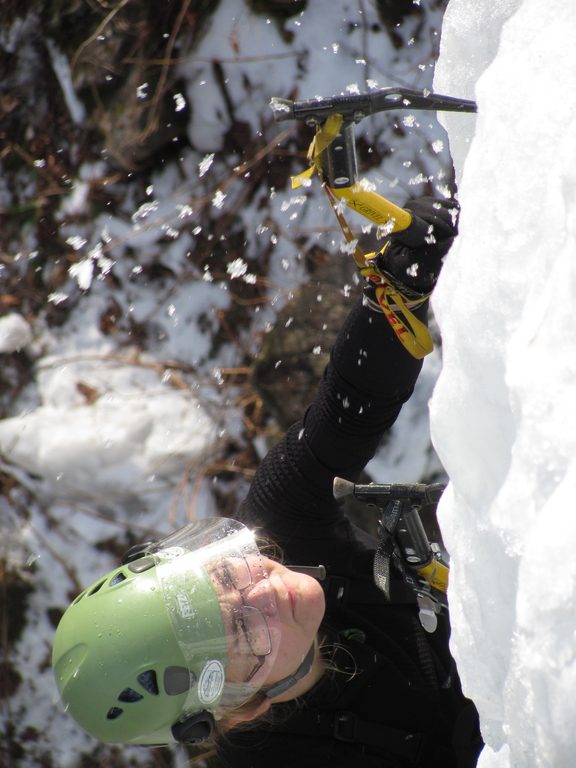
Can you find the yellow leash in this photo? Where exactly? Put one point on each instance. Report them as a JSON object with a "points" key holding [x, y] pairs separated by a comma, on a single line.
{"points": [[410, 331]]}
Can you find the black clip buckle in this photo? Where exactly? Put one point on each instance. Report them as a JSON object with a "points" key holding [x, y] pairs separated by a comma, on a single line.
{"points": [[345, 726], [337, 587]]}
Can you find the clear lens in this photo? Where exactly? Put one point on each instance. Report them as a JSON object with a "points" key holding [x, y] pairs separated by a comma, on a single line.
{"points": [[246, 599], [224, 553]]}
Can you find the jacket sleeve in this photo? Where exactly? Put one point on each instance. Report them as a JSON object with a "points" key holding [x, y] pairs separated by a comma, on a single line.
{"points": [[369, 377]]}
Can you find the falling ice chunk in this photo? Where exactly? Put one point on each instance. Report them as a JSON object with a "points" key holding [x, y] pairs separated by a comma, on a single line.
{"points": [[83, 272], [317, 350], [350, 247], [409, 121], [184, 211], [438, 146], [367, 185], [179, 102], [218, 199], [236, 268], [250, 279], [205, 163], [76, 242], [352, 88], [57, 298], [145, 210], [141, 91]]}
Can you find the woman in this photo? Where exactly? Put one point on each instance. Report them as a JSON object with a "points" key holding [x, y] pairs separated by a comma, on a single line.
{"points": [[201, 637]]}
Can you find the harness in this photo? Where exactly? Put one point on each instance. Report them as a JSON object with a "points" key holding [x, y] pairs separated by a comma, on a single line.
{"points": [[346, 596]]}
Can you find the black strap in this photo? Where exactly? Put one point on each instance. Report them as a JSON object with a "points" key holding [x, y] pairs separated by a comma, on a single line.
{"points": [[347, 727], [354, 590]]}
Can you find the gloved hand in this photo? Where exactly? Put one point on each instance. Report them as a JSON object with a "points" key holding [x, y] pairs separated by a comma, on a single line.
{"points": [[417, 267]]}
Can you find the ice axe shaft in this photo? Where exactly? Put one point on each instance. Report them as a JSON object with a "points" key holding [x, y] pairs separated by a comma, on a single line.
{"points": [[355, 106]]}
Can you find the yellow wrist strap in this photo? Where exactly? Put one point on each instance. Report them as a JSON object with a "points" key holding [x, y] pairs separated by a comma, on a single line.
{"points": [[410, 331]]}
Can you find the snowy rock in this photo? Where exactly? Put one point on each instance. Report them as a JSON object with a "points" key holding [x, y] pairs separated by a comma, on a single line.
{"points": [[118, 447]]}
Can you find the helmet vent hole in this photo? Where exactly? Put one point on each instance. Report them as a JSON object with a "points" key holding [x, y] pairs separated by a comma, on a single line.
{"points": [[149, 682], [113, 713], [129, 695], [80, 596], [96, 588], [177, 680], [117, 579]]}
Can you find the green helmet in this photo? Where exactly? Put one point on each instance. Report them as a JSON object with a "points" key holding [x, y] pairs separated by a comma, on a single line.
{"points": [[141, 656]]}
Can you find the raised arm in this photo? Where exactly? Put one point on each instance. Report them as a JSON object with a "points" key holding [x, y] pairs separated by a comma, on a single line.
{"points": [[369, 377]]}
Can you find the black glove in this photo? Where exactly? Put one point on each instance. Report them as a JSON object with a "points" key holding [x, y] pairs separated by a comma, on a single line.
{"points": [[416, 268]]}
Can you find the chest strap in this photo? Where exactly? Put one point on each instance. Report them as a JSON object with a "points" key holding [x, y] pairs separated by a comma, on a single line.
{"points": [[347, 727]]}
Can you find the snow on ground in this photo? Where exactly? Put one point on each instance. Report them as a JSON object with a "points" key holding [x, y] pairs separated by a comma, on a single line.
{"points": [[502, 413]]}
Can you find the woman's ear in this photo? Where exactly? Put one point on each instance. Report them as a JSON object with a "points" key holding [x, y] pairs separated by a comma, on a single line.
{"points": [[248, 712]]}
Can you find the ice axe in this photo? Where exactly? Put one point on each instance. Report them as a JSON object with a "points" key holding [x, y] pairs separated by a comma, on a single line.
{"points": [[333, 151]]}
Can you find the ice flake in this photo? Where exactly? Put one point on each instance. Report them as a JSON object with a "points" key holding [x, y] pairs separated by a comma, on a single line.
{"points": [[145, 210], [105, 265], [367, 185], [437, 146], [409, 121], [236, 268], [76, 242], [335, 47], [141, 91], [83, 272], [444, 190], [250, 279], [205, 163], [352, 88], [179, 102], [350, 247], [317, 350], [184, 211], [57, 298], [218, 199]]}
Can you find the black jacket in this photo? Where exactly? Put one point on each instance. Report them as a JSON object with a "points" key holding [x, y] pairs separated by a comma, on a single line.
{"points": [[396, 700]]}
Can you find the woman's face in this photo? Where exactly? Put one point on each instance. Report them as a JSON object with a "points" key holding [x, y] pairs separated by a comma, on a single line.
{"points": [[300, 610], [293, 607]]}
